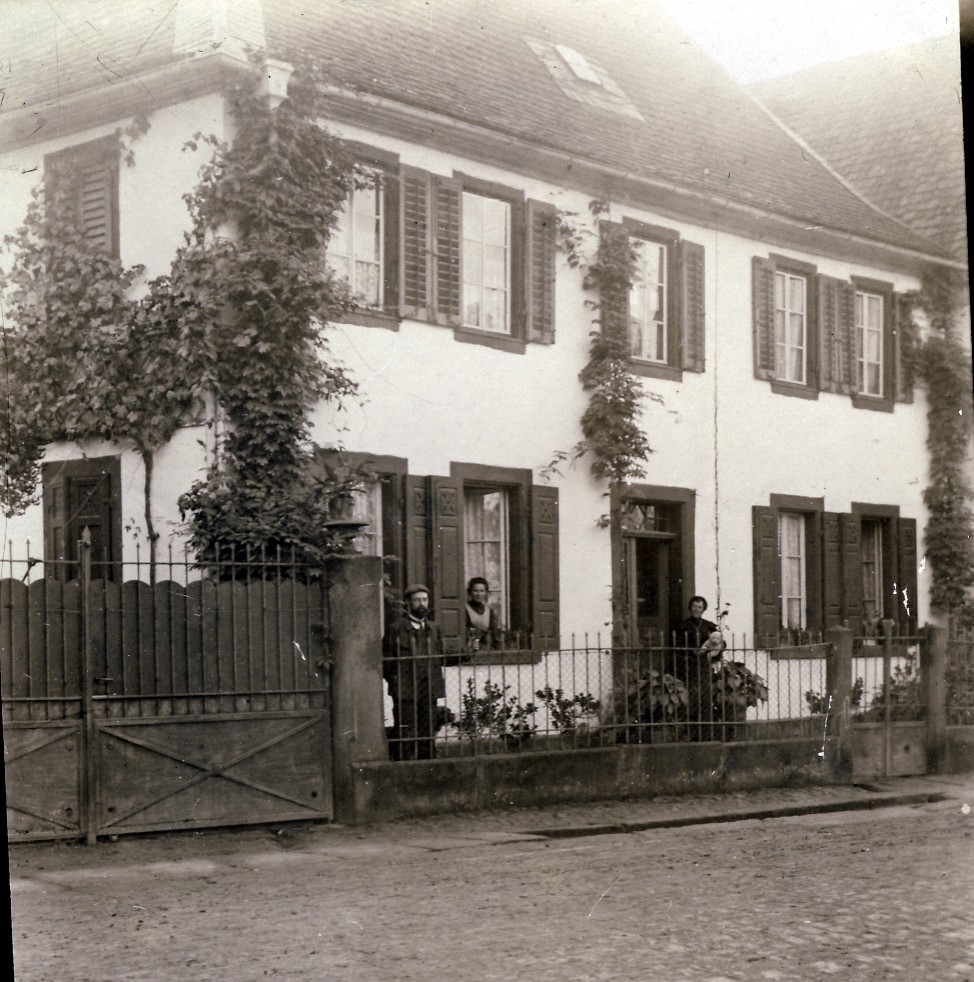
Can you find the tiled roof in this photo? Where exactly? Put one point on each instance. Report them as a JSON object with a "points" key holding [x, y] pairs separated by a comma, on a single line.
{"points": [[890, 122], [471, 60]]}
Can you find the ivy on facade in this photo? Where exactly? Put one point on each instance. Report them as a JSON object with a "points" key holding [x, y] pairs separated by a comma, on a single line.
{"points": [[611, 430], [237, 323], [935, 356]]}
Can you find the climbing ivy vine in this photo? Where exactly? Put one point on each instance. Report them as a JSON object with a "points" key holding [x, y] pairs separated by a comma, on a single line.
{"points": [[935, 356], [238, 322], [611, 430]]}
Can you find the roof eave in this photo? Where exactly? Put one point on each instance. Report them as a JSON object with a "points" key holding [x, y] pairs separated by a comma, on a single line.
{"points": [[166, 85]]}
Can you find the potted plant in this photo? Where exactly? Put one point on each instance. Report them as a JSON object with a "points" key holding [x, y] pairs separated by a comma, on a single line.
{"points": [[735, 690], [648, 706]]}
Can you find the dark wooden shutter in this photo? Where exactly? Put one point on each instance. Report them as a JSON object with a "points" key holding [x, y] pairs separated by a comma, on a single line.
{"points": [[692, 306], [767, 575], [392, 241], [544, 567], [55, 518], [831, 570], [539, 270], [835, 322], [96, 205], [906, 574], [80, 494], [614, 297], [851, 572], [414, 259], [902, 349], [88, 174], [417, 530], [448, 584], [446, 249], [762, 278], [851, 346]]}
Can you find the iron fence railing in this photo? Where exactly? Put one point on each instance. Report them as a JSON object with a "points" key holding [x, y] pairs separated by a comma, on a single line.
{"points": [[960, 675], [592, 694], [886, 676]]}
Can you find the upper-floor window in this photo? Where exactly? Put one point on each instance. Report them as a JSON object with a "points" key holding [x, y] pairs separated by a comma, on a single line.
{"points": [[660, 312], [790, 327], [869, 343], [355, 249], [648, 302], [816, 333], [486, 259], [84, 179], [477, 257]]}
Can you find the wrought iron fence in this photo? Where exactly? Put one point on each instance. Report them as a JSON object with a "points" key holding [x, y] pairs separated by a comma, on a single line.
{"points": [[960, 675], [887, 683], [595, 694]]}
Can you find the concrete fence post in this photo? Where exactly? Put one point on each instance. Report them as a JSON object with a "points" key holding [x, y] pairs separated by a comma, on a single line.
{"points": [[934, 674], [355, 644], [838, 686]]}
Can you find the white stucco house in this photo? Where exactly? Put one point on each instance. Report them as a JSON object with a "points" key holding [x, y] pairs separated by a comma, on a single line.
{"points": [[789, 455]]}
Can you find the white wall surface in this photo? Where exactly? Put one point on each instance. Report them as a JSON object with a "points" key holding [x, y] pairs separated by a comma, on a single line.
{"points": [[433, 400]]}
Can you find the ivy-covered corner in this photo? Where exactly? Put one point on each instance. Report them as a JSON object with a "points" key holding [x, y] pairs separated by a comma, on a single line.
{"points": [[935, 356], [91, 351]]}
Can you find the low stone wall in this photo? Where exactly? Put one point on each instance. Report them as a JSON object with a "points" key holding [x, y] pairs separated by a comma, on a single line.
{"points": [[959, 755], [382, 791]]}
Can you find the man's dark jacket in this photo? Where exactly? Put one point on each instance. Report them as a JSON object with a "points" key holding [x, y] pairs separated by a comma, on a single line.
{"points": [[412, 660]]}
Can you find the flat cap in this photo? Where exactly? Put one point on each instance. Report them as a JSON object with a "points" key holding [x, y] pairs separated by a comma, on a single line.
{"points": [[415, 588]]}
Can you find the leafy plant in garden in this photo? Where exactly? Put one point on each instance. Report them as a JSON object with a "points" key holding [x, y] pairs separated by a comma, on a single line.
{"points": [[818, 703], [568, 713], [495, 715], [937, 358], [735, 690]]}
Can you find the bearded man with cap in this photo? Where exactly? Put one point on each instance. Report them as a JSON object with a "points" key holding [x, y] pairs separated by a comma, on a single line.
{"points": [[412, 660]]}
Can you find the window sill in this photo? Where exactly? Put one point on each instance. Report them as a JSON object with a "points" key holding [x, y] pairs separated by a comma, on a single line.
{"points": [[876, 403], [794, 390], [505, 658], [646, 369], [489, 339], [364, 317], [795, 652]]}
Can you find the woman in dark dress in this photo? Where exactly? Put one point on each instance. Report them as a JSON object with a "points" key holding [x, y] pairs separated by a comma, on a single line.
{"points": [[699, 650]]}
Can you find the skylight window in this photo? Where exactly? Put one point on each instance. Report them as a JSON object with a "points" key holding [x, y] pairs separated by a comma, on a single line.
{"points": [[579, 64], [581, 79]]}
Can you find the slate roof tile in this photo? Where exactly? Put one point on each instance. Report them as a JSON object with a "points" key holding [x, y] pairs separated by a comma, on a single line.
{"points": [[891, 122], [470, 60]]}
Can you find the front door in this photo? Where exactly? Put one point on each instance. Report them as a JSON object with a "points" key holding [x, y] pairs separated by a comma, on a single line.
{"points": [[648, 563]]}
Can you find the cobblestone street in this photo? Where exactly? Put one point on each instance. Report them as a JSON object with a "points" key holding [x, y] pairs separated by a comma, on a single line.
{"points": [[878, 894]]}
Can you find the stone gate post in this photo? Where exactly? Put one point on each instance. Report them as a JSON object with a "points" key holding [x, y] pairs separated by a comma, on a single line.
{"points": [[933, 670], [355, 642], [838, 686]]}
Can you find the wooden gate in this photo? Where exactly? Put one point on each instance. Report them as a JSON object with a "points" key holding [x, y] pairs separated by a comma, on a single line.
{"points": [[888, 731], [136, 706]]}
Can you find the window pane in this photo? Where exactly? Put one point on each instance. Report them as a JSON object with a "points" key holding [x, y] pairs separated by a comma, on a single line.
{"points": [[486, 550], [647, 302], [354, 250], [485, 263]]}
